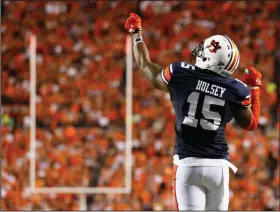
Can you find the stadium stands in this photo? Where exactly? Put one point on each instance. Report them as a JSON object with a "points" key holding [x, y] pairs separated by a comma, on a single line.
{"points": [[81, 101]]}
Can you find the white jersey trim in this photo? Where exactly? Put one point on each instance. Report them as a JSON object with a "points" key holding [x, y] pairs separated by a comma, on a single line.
{"points": [[163, 78], [171, 69]]}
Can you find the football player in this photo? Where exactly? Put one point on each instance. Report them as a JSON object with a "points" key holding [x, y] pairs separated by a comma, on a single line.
{"points": [[205, 98]]}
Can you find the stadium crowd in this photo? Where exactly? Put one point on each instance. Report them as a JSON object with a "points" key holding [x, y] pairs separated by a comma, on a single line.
{"points": [[80, 135]]}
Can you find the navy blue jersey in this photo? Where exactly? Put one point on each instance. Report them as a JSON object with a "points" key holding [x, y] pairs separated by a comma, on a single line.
{"points": [[203, 102]]}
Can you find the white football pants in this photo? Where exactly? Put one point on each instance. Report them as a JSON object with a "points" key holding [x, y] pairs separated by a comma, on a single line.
{"points": [[201, 187]]}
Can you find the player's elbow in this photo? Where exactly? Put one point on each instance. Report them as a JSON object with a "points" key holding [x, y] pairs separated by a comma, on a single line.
{"points": [[251, 127], [247, 121], [253, 124]]}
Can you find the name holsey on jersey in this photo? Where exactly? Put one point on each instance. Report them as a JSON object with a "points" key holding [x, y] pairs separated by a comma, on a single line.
{"points": [[211, 89]]}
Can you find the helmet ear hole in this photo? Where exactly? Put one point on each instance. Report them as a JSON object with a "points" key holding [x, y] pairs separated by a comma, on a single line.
{"points": [[204, 59]]}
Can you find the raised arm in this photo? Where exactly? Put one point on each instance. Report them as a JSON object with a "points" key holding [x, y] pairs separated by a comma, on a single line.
{"points": [[248, 117], [152, 71]]}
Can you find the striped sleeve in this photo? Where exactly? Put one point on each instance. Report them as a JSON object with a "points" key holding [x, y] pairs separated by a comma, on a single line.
{"points": [[246, 101], [243, 93], [166, 74]]}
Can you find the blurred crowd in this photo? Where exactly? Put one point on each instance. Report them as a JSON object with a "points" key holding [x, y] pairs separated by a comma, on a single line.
{"points": [[81, 101]]}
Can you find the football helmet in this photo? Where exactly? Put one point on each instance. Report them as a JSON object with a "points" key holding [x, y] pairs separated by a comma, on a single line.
{"points": [[217, 53]]}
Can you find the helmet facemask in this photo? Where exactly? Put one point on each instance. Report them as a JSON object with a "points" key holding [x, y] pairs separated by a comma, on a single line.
{"points": [[198, 51]]}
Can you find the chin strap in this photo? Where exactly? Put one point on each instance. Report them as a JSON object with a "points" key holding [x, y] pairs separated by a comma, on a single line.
{"points": [[255, 106]]}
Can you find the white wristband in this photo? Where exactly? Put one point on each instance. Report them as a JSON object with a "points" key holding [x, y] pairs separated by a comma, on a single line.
{"points": [[138, 40], [254, 87]]}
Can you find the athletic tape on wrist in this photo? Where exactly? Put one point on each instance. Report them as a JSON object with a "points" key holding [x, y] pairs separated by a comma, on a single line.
{"points": [[138, 40], [136, 31], [254, 87]]}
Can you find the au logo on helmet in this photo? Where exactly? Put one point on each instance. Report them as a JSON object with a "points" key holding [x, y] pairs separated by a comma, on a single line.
{"points": [[214, 46]]}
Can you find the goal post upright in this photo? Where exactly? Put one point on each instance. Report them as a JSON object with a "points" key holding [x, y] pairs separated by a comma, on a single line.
{"points": [[81, 191], [129, 118], [32, 96]]}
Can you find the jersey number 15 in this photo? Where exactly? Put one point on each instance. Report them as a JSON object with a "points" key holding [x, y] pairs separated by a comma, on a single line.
{"points": [[190, 119]]}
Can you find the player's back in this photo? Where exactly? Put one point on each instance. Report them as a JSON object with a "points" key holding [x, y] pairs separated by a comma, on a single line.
{"points": [[203, 102]]}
